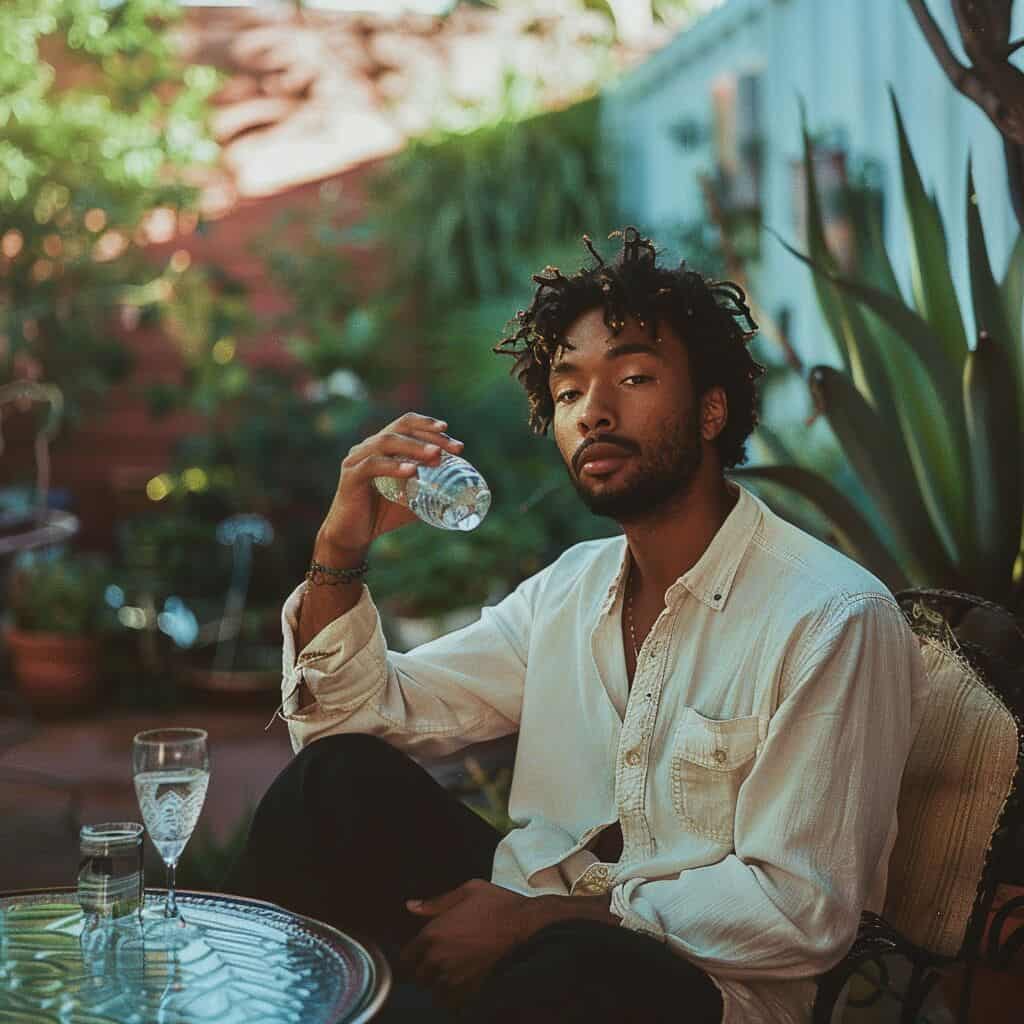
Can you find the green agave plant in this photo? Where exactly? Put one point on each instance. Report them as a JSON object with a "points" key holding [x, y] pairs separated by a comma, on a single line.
{"points": [[456, 210], [930, 424]]}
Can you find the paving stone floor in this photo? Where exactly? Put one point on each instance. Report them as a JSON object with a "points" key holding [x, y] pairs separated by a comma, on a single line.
{"points": [[84, 775], [63, 773]]}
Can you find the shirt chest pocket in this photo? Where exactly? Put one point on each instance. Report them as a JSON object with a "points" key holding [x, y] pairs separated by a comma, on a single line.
{"points": [[709, 762]]}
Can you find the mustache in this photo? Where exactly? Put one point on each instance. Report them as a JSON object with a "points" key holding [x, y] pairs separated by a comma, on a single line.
{"points": [[619, 442]]}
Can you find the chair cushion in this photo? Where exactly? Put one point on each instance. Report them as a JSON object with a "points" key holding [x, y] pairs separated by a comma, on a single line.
{"points": [[958, 777]]}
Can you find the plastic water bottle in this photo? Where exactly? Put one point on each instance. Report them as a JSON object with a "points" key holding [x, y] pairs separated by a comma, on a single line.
{"points": [[451, 495]]}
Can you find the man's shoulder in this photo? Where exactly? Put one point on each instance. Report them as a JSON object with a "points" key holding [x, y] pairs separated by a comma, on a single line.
{"points": [[804, 585], [791, 555]]}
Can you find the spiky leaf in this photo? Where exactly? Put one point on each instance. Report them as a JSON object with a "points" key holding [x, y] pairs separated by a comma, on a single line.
{"points": [[886, 472], [990, 400], [931, 277], [1012, 290], [922, 412], [989, 310]]}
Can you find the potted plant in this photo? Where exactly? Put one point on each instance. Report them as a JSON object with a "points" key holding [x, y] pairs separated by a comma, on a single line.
{"points": [[56, 612]]}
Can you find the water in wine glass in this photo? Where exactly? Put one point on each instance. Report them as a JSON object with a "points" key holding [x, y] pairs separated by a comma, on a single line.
{"points": [[171, 770], [171, 801]]}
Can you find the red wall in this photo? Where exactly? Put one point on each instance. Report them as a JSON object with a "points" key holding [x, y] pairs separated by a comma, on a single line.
{"points": [[107, 462]]}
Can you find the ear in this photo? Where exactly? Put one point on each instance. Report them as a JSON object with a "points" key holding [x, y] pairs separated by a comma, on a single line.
{"points": [[714, 413]]}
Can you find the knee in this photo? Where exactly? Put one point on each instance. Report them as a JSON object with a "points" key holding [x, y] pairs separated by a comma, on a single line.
{"points": [[328, 769], [350, 748]]}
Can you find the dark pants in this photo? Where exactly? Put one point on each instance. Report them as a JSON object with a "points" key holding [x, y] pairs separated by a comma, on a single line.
{"points": [[352, 828]]}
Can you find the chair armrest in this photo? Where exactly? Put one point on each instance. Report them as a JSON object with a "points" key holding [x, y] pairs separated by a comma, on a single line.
{"points": [[876, 940]]}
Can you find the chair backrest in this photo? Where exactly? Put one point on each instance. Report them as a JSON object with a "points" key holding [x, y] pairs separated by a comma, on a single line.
{"points": [[957, 798]]}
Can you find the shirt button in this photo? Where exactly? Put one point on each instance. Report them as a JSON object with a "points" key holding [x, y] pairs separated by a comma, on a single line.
{"points": [[632, 758], [720, 756]]}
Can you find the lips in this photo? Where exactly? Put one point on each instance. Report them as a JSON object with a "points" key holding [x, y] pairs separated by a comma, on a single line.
{"points": [[602, 467], [601, 458]]}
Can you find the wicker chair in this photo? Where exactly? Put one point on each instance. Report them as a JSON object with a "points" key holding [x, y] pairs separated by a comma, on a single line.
{"points": [[961, 817]]}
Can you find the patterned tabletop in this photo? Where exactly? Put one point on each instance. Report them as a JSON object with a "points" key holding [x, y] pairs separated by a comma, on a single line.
{"points": [[247, 961]]}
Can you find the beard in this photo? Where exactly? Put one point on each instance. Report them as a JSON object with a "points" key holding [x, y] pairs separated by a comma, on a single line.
{"points": [[662, 473]]}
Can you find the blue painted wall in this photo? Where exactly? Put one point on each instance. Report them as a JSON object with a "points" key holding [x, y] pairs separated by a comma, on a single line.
{"points": [[839, 57]]}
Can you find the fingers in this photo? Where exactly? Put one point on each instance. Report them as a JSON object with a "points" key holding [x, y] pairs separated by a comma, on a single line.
{"points": [[424, 428], [414, 424], [391, 453], [447, 900]]}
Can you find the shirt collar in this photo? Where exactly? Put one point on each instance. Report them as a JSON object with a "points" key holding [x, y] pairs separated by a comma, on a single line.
{"points": [[616, 585], [711, 579]]}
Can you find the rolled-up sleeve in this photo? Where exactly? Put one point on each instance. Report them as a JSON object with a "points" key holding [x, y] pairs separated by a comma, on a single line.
{"points": [[459, 689], [816, 815]]}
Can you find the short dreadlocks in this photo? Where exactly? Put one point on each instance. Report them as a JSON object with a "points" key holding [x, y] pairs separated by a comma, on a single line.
{"points": [[710, 317]]}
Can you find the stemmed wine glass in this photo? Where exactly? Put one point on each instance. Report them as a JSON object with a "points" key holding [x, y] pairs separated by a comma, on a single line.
{"points": [[171, 770]]}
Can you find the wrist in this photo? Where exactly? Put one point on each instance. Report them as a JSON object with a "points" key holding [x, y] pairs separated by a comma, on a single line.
{"points": [[550, 909], [338, 556]]}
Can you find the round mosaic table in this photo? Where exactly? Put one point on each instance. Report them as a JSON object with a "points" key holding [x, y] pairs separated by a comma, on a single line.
{"points": [[247, 962]]}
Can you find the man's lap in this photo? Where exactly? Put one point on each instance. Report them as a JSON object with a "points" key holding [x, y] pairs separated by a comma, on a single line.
{"points": [[575, 971]]}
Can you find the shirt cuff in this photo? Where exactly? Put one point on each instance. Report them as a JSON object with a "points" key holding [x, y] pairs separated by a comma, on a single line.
{"points": [[337, 646]]}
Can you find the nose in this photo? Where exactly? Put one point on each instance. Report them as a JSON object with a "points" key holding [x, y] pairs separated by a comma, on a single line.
{"points": [[595, 411]]}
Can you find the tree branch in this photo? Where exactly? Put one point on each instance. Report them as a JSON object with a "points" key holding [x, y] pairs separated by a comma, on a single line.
{"points": [[984, 27], [1013, 47], [964, 79], [937, 41]]}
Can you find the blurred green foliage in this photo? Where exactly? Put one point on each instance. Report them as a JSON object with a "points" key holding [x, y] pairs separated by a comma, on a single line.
{"points": [[271, 434], [59, 592], [98, 121], [458, 211], [930, 424]]}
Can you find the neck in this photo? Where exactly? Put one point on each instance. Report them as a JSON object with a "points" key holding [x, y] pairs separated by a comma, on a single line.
{"points": [[671, 541]]}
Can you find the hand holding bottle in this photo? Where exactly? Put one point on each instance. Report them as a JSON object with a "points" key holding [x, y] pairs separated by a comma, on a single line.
{"points": [[359, 513]]}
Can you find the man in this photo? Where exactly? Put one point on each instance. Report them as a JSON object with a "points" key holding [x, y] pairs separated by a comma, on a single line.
{"points": [[714, 709]]}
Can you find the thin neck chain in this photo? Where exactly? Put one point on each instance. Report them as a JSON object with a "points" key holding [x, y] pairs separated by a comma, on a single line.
{"points": [[629, 614]]}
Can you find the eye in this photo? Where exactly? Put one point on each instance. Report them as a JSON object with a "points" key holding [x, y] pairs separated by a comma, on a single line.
{"points": [[632, 377]]}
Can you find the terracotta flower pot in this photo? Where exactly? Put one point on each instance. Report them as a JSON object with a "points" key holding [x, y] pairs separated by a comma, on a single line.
{"points": [[57, 673]]}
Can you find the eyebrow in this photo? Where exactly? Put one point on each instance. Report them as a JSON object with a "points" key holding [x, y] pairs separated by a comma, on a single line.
{"points": [[625, 349]]}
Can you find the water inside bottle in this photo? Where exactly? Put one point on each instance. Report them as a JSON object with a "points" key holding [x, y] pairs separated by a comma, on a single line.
{"points": [[451, 495]]}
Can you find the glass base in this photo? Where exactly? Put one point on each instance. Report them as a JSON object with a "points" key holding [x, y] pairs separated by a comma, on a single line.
{"points": [[166, 933]]}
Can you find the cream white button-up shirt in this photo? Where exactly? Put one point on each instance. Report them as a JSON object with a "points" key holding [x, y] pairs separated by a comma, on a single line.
{"points": [[754, 765]]}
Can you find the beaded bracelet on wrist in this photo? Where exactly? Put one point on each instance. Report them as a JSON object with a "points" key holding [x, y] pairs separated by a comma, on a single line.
{"points": [[319, 573]]}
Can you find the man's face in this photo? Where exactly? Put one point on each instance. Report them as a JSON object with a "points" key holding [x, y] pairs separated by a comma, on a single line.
{"points": [[634, 398]]}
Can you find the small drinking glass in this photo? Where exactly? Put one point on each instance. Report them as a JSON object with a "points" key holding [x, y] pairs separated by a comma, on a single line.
{"points": [[110, 879], [171, 770]]}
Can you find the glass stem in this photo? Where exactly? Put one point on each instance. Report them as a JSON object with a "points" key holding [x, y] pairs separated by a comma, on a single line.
{"points": [[170, 904]]}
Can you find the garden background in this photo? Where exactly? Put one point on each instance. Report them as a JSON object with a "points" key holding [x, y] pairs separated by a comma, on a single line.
{"points": [[234, 240]]}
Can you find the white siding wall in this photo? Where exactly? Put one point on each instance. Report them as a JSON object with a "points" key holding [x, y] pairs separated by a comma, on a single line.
{"points": [[839, 57]]}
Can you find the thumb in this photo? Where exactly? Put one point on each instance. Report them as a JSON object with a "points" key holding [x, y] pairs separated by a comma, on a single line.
{"points": [[437, 905]]}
